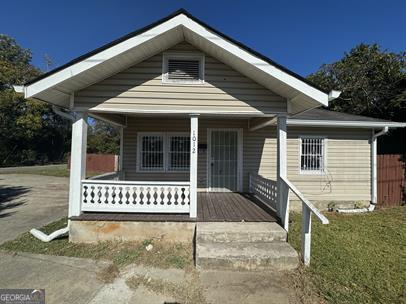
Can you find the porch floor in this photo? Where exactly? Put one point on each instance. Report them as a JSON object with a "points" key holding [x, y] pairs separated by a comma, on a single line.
{"points": [[211, 207]]}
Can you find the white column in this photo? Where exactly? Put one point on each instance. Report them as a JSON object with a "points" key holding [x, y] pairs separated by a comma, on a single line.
{"points": [[77, 162], [283, 190], [374, 182], [193, 164], [306, 234]]}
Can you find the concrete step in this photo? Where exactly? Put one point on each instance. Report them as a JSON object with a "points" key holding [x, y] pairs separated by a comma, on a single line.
{"points": [[246, 256], [226, 232]]}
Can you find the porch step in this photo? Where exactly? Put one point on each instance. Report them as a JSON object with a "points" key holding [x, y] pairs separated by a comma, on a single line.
{"points": [[243, 246], [246, 256], [228, 232]]}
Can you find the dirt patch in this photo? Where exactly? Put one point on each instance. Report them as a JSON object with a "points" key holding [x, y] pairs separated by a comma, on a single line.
{"points": [[189, 293], [108, 274]]}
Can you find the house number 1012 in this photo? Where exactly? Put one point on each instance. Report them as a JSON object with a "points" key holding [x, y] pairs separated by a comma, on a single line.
{"points": [[194, 139]]}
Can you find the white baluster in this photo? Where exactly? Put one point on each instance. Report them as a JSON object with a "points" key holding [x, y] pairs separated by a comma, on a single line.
{"points": [[145, 195], [137, 195], [186, 194], [173, 192], [103, 191], [131, 195], [117, 198], [159, 195], [96, 191], [110, 192], [166, 198]]}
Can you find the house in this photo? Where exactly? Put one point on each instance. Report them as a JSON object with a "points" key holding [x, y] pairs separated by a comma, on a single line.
{"points": [[213, 135]]}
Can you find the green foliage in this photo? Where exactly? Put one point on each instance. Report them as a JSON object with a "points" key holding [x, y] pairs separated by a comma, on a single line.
{"points": [[30, 133], [357, 258], [372, 81], [102, 138]]}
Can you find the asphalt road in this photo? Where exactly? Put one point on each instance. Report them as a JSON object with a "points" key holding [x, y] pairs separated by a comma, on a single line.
{"points": [[30, 201]]}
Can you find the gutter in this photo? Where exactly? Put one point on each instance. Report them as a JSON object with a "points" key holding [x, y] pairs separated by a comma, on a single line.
{"points": [[372, 205]]}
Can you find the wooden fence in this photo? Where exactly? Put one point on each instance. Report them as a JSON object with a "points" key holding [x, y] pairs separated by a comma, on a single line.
{"points": [[100, 162], [391, 180]]}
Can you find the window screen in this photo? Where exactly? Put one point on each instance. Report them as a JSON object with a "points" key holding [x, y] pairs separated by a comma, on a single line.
{"points": [[312, 155], [152, 152], [179, 152], [183, 70]]}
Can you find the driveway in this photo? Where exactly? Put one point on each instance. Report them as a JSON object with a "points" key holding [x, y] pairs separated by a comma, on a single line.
{"points": [[30, 201]]}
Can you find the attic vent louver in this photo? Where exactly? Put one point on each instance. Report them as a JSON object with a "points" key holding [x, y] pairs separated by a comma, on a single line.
{"points": [[183, 68], [179, 69]]}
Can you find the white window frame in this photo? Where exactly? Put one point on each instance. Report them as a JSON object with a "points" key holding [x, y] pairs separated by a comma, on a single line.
{"points": [[166, 142], [324, 154], [182, 56]]}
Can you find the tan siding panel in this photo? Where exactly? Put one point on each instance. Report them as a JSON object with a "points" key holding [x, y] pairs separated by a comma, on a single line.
{"points": [[140, 88], [348, 157]]}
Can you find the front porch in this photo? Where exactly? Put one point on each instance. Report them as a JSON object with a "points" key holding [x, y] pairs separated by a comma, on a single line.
{"points": [[212, 207]]}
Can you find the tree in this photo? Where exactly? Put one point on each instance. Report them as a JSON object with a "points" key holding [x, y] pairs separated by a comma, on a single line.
{"points": [[372, 81], [30, 133], [102, 138]]}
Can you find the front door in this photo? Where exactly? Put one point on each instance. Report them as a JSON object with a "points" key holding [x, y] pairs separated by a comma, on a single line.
{"points": [[224, 163]]}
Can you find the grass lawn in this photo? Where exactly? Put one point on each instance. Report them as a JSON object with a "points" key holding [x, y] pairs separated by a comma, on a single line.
{"points": [[49, 170], [358, 258], [120, 253]]}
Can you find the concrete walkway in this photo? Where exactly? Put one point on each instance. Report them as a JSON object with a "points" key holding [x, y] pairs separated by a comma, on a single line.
{"points": [[30, 201], [65, 280]]}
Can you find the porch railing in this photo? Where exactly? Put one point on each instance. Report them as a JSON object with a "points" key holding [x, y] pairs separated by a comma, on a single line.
{"points": [[265, 189], [307, 209], [135, 196]]}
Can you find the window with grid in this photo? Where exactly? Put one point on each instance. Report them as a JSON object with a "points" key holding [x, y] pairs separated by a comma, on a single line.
{"points": [[152, 152], [179, 152], [312, 155]]}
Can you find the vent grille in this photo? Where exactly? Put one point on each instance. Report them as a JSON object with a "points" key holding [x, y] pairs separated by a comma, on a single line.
{"points": [[181, 70]]}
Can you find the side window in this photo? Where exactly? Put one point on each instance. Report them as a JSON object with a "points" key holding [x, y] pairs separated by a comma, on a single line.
{"points": [[312, 155]]}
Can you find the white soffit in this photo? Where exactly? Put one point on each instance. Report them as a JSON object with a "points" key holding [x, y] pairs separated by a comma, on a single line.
{"points": [[57, 87]]}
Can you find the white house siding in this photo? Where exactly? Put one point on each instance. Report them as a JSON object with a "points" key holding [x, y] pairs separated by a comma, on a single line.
{"points": [[348, 176], [140, 88]]}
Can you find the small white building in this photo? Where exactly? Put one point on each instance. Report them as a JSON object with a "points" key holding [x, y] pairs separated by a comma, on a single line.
{"points": [[211, 131]]}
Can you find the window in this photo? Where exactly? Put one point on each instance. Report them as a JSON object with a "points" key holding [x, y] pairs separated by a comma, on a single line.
{"points": [[152, 152], [179, 152], [183, 68], [163, 152], [312, 155]]}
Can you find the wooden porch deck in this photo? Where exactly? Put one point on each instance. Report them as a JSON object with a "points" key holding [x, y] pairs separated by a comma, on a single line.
{"points": [[211, 207]]}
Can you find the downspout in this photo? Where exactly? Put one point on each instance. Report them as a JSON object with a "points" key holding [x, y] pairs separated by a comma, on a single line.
{"points": [[372, 205], [35, 232]]}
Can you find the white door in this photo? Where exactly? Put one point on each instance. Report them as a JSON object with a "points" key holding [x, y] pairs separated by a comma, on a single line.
{"points": [[224, 160]]}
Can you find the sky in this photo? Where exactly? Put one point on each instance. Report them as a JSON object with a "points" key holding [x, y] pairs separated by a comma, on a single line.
{"points": [[300, 35]]}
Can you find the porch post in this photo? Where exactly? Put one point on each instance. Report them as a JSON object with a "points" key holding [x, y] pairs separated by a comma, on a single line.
{"points": [[193, 164], [120, 159], [283, 190], [374, 182], [77, 162]]}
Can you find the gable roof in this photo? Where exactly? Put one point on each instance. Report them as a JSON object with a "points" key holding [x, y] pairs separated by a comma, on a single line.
{"points": [[58, 85]]}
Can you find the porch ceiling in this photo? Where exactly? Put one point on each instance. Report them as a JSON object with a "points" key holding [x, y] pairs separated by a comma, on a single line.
{"points": [[57, 86]]}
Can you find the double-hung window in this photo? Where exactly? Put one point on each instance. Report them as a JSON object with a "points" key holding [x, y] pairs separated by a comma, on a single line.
{"points": [[312, 155], [163, 152]]}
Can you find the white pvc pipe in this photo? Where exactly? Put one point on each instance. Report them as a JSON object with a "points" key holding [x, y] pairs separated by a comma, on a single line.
{"points": [[47, 238], [372, 205]]}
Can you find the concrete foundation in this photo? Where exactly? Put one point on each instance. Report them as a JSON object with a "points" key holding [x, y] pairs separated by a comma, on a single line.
{"points": [[96, 231], [296, 205]]}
